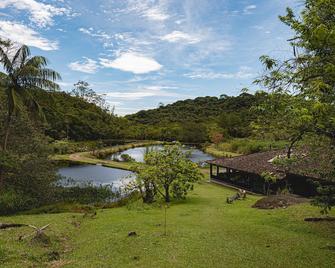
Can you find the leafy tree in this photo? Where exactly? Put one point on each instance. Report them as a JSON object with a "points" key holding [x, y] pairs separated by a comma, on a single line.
{"points": [[167, 172], [27, 172], [22, 75], [82, 90], [285, 117], [310, 72]]}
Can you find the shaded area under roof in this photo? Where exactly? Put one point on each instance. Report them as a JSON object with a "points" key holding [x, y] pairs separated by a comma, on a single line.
{"points": [[258, 163]]}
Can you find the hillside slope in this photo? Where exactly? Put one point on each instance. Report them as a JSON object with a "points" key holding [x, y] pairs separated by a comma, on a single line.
{"points": [[196, 110]]}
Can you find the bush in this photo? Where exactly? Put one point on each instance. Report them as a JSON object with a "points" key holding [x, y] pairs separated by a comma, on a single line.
{"points": [[12, 201], [127, 158], [87, 194], [248, 146]]}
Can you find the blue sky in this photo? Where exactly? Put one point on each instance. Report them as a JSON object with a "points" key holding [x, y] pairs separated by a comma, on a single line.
{"points": [[144, 52]]}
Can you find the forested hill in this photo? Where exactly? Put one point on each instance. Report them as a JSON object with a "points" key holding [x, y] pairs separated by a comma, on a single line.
{"points": [[75, 118], [196, 110]]}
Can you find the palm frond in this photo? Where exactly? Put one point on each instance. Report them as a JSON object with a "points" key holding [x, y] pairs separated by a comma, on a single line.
{"points": [[37, 61], [5, 61], [20, 56]]}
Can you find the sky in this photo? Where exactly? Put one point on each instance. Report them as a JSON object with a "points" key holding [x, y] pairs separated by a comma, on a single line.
{"points": [[143, 53]]}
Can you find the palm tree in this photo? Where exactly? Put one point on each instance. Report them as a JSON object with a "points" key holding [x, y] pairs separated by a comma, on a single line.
{"points": [[22, 75]]}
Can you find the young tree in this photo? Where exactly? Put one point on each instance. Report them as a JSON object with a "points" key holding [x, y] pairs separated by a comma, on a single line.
{"points": [[169, 173], [269, 179], [22, 75]]}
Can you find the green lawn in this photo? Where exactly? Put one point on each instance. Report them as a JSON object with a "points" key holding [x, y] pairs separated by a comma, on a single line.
{"points": [[203, 231]]}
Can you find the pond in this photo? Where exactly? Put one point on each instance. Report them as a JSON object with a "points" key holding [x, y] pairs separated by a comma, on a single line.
{"points": [[97, 175], [138, 153]]}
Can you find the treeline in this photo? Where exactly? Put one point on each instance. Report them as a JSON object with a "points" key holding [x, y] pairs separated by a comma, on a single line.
{"points": [[199, 120], [80, 117], [74, 118]]}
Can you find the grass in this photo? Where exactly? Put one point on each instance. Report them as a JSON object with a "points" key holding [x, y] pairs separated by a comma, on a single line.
{"points": [[238, 146], [202, 231], [218, 152]]}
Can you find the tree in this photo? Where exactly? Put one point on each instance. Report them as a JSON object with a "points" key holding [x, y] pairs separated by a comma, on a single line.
{"points": [[82, 90], [269, 179], [167, 172], [28, 175], [283, 117], [310, 74], [232, 122], [22, 75], [217, 137]]}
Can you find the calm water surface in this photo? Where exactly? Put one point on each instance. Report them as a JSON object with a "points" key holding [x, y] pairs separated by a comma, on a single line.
{"points": [[97, 175], [138, 153]]}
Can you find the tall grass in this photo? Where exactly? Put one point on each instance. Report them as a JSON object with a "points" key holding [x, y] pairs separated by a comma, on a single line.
{"points": [[249, 146]]}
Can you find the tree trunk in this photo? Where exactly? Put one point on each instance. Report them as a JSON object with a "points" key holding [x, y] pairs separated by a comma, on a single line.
{"points": [[2, 180], [167, 194], [293, 141], [7, 128]]}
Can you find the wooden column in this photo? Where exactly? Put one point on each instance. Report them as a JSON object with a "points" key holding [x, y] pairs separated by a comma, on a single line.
{"points": [[217, 171], [211, 170]]}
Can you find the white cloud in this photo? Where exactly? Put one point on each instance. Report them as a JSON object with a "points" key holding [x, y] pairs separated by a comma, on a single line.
{"points": [[24, 35], [86, 65], [177, 36], [148, 9], [149, 91], [243, 73], [248, 9], [41, 14], [155, 14], [132, 62], [90, 31]]}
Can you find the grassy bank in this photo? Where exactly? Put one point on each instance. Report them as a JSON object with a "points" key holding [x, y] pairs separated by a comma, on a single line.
{"points": [[202, 231], [235, 147], [96, 157], [217, 152]]}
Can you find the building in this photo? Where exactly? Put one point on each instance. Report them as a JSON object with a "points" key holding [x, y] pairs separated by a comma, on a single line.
{"points": [[247, 172]]}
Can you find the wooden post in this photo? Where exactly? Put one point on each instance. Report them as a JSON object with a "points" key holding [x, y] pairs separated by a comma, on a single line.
{"points": [[211, 170], [217, 171]]}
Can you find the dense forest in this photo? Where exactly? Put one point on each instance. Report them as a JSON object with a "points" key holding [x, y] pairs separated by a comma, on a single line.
{"points": [[67, 115]]}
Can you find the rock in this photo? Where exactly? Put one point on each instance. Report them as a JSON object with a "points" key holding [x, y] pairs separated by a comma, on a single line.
{"points": [[132, 233]]}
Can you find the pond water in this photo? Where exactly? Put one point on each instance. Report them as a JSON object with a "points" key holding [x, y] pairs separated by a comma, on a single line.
{"points": [[97, 175], [139, 152]]}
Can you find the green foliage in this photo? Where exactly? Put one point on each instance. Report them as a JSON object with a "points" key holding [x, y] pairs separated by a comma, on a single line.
{"points": [[86, 194], [126, 158], [74, 118], [310, 75], [269, 179], [167, 172], [27, 175], [68, 147], [22, 76], [248, 146], [194, 120]]}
